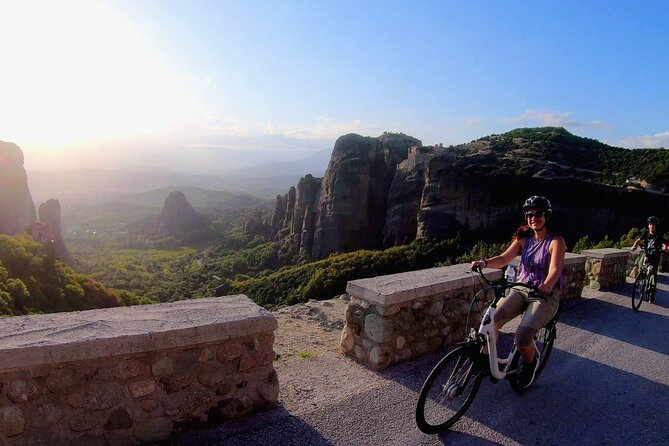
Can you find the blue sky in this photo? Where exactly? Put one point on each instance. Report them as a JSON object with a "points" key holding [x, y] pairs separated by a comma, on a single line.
{"points": [[173, 77]]}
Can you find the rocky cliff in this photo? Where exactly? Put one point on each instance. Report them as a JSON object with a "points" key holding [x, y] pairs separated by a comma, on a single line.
{"points": [[50, 214], [456, 198], [386, 191], [346, 210], [17, 209]]}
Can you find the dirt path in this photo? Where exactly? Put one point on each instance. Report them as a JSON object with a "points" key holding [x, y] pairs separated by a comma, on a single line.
{"points": [[312, 371]]}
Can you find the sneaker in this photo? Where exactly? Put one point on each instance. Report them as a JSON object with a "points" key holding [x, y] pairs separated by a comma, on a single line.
{"points": [[525, 377]]}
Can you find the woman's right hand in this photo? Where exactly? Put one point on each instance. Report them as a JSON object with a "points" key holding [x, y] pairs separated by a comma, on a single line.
{"points": [[476, 264]]}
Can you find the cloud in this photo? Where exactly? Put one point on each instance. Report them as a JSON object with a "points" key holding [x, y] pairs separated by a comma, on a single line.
{"points": [[207, 131], [553, 119], [647, 141], [195, 78], [473, 122], [324, 130]]}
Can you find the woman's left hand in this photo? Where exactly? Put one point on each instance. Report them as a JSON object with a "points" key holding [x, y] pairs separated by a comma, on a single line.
{"points": [[545, 289]]}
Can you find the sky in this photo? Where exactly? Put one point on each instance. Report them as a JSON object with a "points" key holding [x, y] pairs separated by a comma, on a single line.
{"points": [[204, 85]]}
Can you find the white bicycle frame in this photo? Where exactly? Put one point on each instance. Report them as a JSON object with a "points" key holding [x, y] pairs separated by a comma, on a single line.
{"points": [[488, 331]]}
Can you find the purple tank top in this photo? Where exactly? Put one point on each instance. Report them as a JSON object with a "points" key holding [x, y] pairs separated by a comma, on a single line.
{"points": [[535, 261]]}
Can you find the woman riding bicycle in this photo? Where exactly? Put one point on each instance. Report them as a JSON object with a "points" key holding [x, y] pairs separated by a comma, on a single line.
{"points": [[542, 256], [654, 244]]}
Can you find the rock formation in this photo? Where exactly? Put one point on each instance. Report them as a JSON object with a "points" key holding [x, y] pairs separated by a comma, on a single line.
{"points": [[386, 191], [49, 213], [254, 225], [404, 199], [306, 201], [346, 210], [17, 209], [353, 201], [178, 217]]}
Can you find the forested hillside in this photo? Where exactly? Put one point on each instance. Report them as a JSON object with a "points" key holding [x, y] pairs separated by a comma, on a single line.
{"points": [[32, 280], [580, 157]]}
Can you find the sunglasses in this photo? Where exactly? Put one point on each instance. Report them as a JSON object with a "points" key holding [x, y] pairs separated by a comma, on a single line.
{"points": [[537, 214]]}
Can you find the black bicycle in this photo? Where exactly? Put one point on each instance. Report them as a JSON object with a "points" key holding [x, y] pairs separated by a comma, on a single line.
{"points": [[452, 385], [644, 285]]}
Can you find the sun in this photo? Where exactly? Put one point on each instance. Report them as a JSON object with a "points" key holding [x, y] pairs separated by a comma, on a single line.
{"points": [[79, 70]]}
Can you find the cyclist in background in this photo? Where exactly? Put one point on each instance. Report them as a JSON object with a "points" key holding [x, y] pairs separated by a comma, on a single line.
{"points": [[654, 244], [542, 256]]}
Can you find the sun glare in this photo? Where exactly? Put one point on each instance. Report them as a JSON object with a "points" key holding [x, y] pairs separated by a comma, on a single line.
{"points": [[78, 70]]}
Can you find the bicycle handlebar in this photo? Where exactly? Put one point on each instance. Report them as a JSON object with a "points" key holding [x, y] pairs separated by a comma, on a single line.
{"points": [[534, 290]]}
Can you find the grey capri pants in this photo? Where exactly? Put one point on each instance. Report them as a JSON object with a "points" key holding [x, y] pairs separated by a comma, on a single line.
{"points": [[538, 311]]}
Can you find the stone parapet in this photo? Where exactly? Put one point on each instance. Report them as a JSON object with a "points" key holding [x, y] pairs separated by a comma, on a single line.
{"points": [[405, 287], [398, 317], [574, 276], [606, 268], [395, 318], [632, 268], [133, 375]]}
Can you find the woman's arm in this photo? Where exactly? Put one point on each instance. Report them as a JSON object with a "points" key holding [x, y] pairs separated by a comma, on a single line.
{"points": [[557, 249], [514, 249]]}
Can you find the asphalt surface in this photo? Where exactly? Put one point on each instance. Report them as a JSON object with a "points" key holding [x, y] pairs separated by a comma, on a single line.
{"points": [[607, 383]]}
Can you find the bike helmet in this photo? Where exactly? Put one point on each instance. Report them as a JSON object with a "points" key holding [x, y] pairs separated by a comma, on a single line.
{"points": [[537, 201], [654, 220]]}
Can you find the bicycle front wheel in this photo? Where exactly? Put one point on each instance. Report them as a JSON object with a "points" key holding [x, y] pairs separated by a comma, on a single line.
{"points": [[448, 391], [638, 291]]}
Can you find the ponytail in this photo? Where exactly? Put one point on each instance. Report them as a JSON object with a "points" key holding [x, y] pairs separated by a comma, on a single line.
{"points": [[522, 232]]}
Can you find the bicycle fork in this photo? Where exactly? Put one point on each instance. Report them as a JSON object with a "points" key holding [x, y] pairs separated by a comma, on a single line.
{"points": [[488, 332]]}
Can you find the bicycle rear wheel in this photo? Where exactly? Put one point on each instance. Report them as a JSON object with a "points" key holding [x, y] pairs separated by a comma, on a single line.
{"points": [[448, 391], [544, 341], [638, 291]]}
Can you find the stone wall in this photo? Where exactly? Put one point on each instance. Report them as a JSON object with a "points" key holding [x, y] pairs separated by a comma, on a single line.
{"points": [[606, 268], [632, 268], [133, 375], [574, 276], [395, 318], [398, 317]]}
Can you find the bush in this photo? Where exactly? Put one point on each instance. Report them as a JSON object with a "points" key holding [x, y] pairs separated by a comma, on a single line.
{"points": [[326, 278]]}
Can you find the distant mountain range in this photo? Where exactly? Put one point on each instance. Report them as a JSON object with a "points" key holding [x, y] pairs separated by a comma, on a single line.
{"points": [[198, 197], [97, 186]]}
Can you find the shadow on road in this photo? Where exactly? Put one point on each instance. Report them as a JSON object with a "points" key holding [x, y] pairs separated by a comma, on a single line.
{"points": [[576, 401], [604, 318], [662, 295], [276, 427]]}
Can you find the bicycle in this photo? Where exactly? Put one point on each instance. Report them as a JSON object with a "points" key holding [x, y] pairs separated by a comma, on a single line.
{"points": [[452, 385], [644, 284]]}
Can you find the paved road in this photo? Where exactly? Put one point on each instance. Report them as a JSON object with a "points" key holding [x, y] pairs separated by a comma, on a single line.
{"points": [[607, 384]]}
